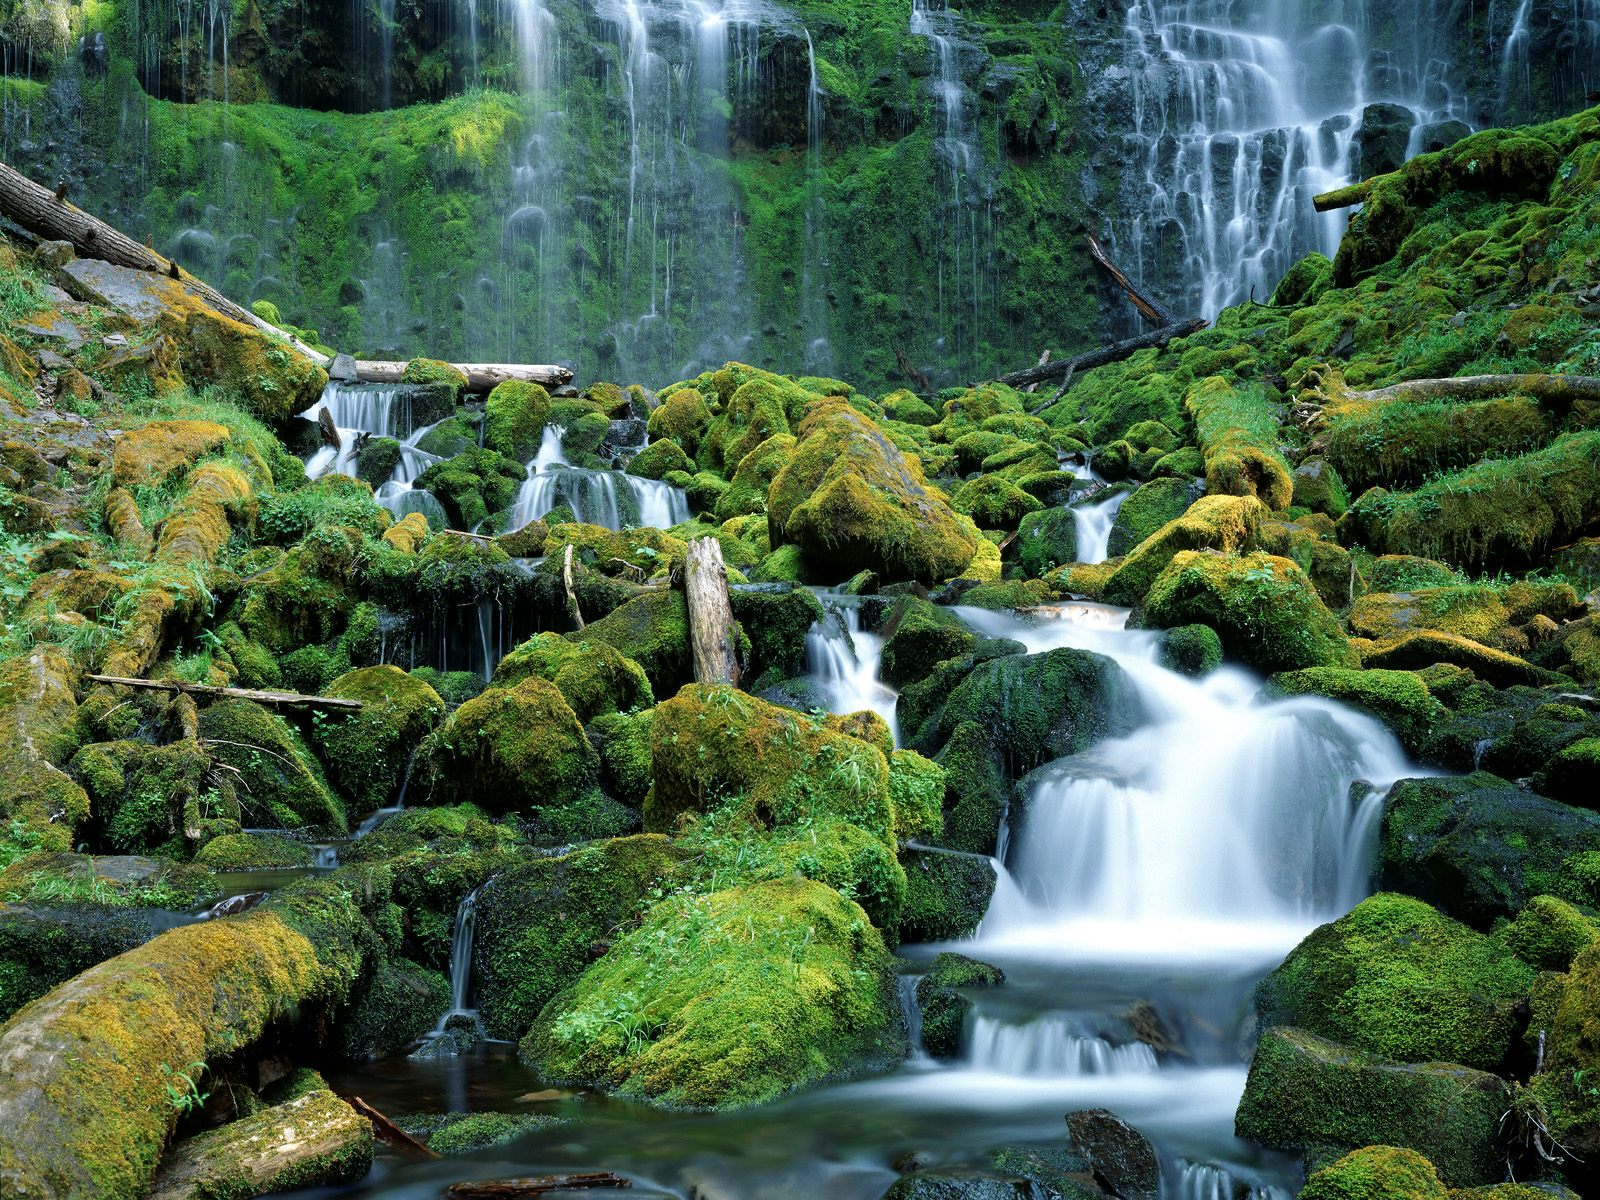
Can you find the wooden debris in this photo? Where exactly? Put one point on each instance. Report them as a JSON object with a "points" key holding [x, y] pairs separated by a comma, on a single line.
{"points": [[1345, 197], [1555, 389], [566, 582], [391, 1135], [1149, 307], [232, 693], [1105, 355], [705, 585], [1043, 358], [537, 1185]]}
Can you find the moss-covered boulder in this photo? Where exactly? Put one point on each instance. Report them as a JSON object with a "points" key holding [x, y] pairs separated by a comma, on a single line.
{"points": [[659, 458], [1565, 1014], [728, 999], [282, 782], [394, 1005], [1425, 647], [43, 946], [1376, 1173], [541, 923], [592, 676], [514, 417], [714, 744], [752, 477], [1573, 775], [368, 752], [994, 502], [1191, 650], [622, 741], [775, 623], [312, 1141], [1479, 847], [268, 378], [849, 497], [943, 1006], [1397, 978], [918, 635], [652, 629], [1317, 486], [1466, 611], [1046, 539], [1549, 933], [1263, 608], [152, 453], [946, 895], [1399, 699], [1147, 509], [85, 1111], [511, 749], [1305, 1092], [1238, 426], [253, 852], [681, 417], [1226, 523]]}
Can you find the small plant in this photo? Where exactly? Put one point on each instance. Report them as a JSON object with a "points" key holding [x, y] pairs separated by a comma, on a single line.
{"points": [[183, 1092], [1586, 1081]]}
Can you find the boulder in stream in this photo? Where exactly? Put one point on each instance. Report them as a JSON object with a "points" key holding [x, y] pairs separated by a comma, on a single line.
{"points": [[960, 1183], [1122, 1158]]}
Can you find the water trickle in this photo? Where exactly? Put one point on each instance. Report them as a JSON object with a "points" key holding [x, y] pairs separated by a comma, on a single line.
{"points": [[814, 274], [462, 933], [1207, 1181], [843, 660], [1054, 1044], [613, 499], [1093, 523]]}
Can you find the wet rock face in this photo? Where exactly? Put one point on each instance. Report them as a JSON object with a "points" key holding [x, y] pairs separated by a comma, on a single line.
{"points": [[1122, 1158], [960, 1184]]}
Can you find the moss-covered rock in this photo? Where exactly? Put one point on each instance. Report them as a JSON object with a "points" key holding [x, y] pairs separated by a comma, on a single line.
{"points": [[43, 946], [1305, 1092], [1397, 698], [652, 629], [541, 923], [994, 502], [511, 749], [1573, 775], [1191, 650], [283, 783], [1425, 647], [776, 624], [729, 999], [1470, 612], [1147, 509], [514, 417], [397, 1003], [1263, 608], [943, 1007], [1317, 486], [1549, 933], [1397, 978], [659, 458], [1565, 1013], [850, 497], [976, 790], [1226, 523], [368, 752], [918, 635], [38, 717], [1238, 426], [1376, 1173], [946, 895], [623, 742], [592, 676], [681, 417], [252, 852], [152, 453], [1046, 539]]}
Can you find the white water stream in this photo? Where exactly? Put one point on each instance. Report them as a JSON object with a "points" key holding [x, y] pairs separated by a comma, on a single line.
{"points": [[610, 498]]}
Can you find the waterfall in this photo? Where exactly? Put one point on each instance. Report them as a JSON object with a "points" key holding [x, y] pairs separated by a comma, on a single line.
{"points": [[1241, 113], [842, 659], [599, 497], [1055, 1044], [814, 273], [1206, 1181], [377, 410], [461, 938], [1092, 524], [1222, 824]]}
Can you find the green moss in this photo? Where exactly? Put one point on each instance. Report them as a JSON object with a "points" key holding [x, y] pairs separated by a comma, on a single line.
{"points": [[944, 1008], [729, 999], [652, 630], [1238, 427], [1573, 775], [1397, 978], [1226, 523], [1046, 540], [918, 635], [1304, 1092], [282, 783], [1376, 1173], [42, 947], [1147, 509], [368, 752], [1397, 698], [752, 480], [1263, 608], [946, 895], [391, 1009], [623, 743], [660, 457], [1549, 933], [592, 676], [1191, 649], [994, 503], [776, 624], [252, 852], [916, 792], [431, 370], [1566, 1013], [682, 418], [541, 923], [514, 417], [464, 1134]]}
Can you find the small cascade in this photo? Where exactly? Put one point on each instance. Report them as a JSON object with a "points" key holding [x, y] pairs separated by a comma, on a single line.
{"points": [[377, 410], [1052, 1045], [814, 274], [843, 660], [1207, 1181], [379, 816], [461, 938], [1093, 523], [613, 499], [906, 988]]}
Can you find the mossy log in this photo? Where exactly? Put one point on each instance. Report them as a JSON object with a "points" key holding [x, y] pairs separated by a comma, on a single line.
{"points": [[206, 689], [1552, 389], [1345, 197], [705, 582], [481, 377], [537, 1185]]}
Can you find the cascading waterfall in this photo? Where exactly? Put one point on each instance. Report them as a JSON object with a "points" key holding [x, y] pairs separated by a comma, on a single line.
{"points": [[814, 274], [1092, 523], [600, 497], [377, 410], [1242, 113], [1055, 1044], [462, 933], [843, 659]]}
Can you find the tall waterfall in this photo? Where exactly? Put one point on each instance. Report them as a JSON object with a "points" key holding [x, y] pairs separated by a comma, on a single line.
{"points": [[1244, 111]]}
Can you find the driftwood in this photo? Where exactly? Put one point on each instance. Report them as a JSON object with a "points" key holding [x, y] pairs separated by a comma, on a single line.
{"points": [[232, 693], [328, 430], [705, 584], [1149, 307], [41, 212], [566, 582], [1551, 388], [1104, 355], [1345, 197], [537, 1185], [391, 1135]]}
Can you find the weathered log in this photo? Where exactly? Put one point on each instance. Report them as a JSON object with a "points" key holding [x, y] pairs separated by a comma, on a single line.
{"points": [[1043, 358], [1555, 389], [1104, 355], [1148, 306], [328, 430], [1345, 197], [232, 693], [537, 1185], [705, 584], [38, 210], [481, 377], [391, 1135], [566, 582]]}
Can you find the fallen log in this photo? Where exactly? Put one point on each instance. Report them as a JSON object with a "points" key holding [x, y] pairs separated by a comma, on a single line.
{"points": [[41, 212], [1345, 197], [1043, 358], [481, 377], [1549, 388], [1104, 355], [566, 583], [231, 693], [537, 1185], [705, 584], [391, 1135], [1148, 306]]}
